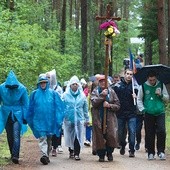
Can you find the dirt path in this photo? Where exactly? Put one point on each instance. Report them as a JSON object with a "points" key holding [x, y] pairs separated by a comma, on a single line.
{"points": [[30, 160]]}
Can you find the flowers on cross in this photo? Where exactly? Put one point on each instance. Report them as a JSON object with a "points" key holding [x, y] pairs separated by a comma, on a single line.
{"points": [[110, 28]]}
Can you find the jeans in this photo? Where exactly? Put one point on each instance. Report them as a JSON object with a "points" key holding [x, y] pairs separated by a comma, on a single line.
{"points": [[130, 124], [88, 133], [139, 125], [13, 129], [155, 127]]}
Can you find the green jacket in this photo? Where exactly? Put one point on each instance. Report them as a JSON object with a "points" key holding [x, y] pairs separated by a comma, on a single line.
{"points": [[153, 104]]}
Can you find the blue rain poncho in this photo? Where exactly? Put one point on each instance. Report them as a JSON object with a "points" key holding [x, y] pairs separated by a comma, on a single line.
{"points": [[45, 114], [76, 114], [14, 100]]}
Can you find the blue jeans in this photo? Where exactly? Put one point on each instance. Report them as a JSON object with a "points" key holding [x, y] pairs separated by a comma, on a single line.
{"points": [[125, 124], [88, 133], [13, 130]]}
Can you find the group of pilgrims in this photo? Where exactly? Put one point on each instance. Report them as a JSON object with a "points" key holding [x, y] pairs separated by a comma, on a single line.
{"points": [[74, 112]]}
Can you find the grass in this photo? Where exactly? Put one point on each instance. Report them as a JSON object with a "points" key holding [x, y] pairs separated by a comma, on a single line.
{"points": [[5, 155], [4, 150], [168, 127]]}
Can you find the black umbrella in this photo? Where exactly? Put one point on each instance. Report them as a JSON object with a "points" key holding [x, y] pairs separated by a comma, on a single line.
{"points": [[163, 73]]}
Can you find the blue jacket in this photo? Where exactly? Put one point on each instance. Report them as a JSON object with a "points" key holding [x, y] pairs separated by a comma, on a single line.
{"points": [[14, 100], [124, 92], [45, 114]]}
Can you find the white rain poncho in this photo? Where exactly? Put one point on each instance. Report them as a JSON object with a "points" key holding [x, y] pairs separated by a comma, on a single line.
{"points": [[76, 114], [14, 100], [44, 106]]}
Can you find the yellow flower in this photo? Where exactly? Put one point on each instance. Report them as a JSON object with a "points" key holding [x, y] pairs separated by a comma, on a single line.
{"points": [[110, 29], [113, 35]]}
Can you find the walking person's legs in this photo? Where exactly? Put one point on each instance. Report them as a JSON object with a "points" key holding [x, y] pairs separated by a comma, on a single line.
{"points": [[59, 144], [76, 149], [139, 124], [122, 135], [150, 130], [54, 145], [132, 134], [13, 129], [43, 145], [161, 136], [88, 135]]}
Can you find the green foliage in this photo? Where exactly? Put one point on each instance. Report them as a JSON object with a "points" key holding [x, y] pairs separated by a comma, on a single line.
{"points": [[5, 155], [30, 50]]}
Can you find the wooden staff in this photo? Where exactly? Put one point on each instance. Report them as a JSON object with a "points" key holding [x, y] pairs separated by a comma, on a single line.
{"points": [[108, 44]]}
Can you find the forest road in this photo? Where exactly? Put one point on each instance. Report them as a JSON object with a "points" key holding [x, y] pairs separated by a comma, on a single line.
{"points": [[30, 156]]}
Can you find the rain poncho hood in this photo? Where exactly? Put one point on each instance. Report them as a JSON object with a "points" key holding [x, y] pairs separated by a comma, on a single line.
{"points": [[14, 100], [45, 113], [76, 113]]}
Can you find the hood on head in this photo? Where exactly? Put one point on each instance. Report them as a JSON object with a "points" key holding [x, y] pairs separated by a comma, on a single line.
{"points": [[11, 81]]}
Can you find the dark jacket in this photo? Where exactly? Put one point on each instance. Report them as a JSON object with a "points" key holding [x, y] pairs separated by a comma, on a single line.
{"points": [[124, 92], [97, 100]]}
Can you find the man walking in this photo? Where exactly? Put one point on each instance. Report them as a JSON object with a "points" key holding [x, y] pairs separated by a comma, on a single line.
{"points": [[151, 97], [127, 113]]}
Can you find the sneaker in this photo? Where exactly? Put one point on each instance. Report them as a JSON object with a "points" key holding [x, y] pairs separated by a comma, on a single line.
{"points": [[110, 158], [48, 159], [60, 149], [151, 157], [94, 152], [54, 153], [44, 160], [15, 160], [161, 156], [71, 155], [101, 159], [87, 143], [131, 154], [137, 146], [77, 158], [122, 151]]}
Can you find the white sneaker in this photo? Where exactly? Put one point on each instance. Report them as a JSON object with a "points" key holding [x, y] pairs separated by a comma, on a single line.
{"points": [[87, 143], [151, 157], [60, 149], [162, 156]]}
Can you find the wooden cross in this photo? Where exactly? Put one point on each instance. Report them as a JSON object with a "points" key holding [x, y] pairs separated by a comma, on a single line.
{"points": [[108, 15], [108, 44]]}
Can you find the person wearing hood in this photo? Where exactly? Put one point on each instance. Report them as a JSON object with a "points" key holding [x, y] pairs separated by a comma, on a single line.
{"points": [[43, 117], [14, 105], [54, 85], [76, 117]]}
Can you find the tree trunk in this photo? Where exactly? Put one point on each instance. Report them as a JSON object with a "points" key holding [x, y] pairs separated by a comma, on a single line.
{"points": [[84, 35], [168, 32], [58, 11], [162, 32], [91, 21], [71, 11], [148, 51], [63, 28], [77, 13]]}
